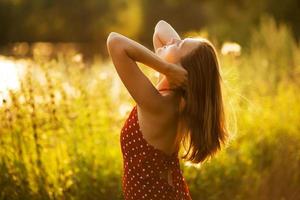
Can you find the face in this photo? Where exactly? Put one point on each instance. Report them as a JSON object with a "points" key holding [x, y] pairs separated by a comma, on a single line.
{"points": [[175, 49]]}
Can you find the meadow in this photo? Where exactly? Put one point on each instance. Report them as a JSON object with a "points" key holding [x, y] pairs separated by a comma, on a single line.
{"points": [[60, 125]]}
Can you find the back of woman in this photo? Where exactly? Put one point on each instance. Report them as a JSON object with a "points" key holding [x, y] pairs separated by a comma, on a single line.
{"points": [[184, 110]]}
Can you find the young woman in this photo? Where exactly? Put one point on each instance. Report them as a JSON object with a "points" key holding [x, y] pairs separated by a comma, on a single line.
{"points": [[184, 108]]}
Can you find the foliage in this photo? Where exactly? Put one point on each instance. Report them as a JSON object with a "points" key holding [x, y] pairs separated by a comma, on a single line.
{"points": [[91, 20]]}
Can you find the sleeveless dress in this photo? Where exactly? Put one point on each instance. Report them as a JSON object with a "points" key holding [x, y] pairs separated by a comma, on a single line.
{"points": [[143, 164]]}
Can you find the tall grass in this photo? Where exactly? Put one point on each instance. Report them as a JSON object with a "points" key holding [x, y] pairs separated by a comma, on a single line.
{"points": [[59, 133], [262, 160]]}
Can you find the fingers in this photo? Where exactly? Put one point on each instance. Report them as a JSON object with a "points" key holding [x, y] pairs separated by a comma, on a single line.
{"points": [[178, 78], [182, 85]]}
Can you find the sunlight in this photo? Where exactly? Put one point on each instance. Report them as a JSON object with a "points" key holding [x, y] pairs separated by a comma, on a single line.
{"points": [[231, 48], [124, 109], [10, 71], [190, 164]]}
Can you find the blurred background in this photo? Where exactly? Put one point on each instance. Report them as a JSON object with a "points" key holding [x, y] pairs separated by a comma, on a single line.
{"points": [[62, 104]]}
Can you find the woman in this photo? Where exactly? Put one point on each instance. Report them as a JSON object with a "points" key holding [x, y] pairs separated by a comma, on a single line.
{"points": [[185, 107]]}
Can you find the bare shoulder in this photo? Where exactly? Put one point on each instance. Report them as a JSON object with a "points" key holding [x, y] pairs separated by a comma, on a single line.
{"points": [[168, 106], [162, 121], [160, 130]]}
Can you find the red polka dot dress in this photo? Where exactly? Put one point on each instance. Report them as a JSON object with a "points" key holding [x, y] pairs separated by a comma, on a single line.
{"points": [[143, 164]]}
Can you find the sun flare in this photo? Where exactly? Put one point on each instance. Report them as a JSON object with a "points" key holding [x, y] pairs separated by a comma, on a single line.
{"points": [[10, 72]]}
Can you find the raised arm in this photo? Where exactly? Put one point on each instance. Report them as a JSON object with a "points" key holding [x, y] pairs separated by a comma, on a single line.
{"points": [[163, 33], [125, 53]]}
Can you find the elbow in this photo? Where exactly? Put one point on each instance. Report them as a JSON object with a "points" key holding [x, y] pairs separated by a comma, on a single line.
{"points": [[115, 42], [159, 24], [111, 40]]}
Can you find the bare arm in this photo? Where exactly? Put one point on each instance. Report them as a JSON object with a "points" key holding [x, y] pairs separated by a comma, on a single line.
{"points": [[163, 33], [138, 52], [124, 53]]}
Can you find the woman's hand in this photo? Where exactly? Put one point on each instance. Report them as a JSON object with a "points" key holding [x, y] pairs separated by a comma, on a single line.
{"points": [[177, 76], [163, 33]]}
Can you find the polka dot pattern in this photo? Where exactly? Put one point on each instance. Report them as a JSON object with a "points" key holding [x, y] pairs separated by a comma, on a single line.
{"points": [[143, 166]]}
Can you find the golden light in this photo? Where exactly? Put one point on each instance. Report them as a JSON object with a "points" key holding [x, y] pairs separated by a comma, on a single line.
{"points": [[10, 71], [232, 48], [70, 90], [124, 109], [190, 164], [156, 74], [77, 58]]}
